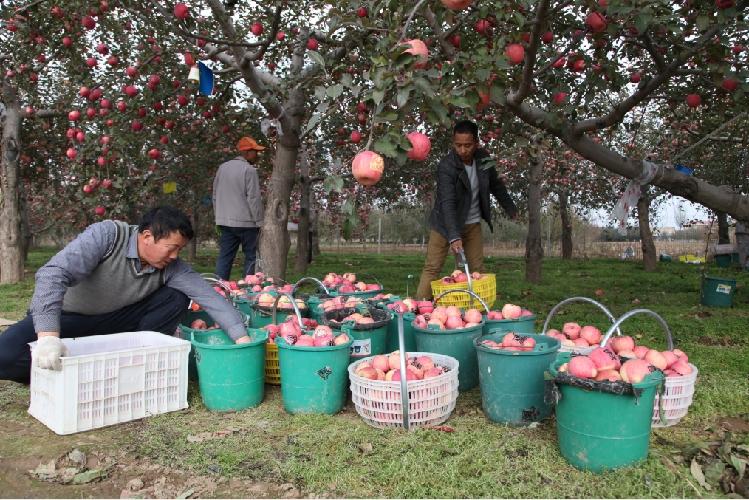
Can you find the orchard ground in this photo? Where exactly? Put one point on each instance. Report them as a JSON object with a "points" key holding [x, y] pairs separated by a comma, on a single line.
{"points": [[264, 452]]}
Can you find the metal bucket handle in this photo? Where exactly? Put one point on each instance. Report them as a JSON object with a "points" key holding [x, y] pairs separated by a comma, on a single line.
{"points": [[404, 379], [309, 279], [293, 304], [580, 299], [221, 284], [469, 292], [633, 312], [460, 259]]}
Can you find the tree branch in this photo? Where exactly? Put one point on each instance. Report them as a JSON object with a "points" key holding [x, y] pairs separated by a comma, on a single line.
{"points": [[648, 42], [408, 21], [710, 135], [516, 98], [617, 114]]}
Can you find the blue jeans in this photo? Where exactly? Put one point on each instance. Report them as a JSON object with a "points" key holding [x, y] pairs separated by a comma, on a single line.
{"points": [[228, 244], [159, 312]]}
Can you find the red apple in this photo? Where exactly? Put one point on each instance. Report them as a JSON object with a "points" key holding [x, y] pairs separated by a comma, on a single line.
{"points": [[515, 53], [367, 168], [88, 22], [100, 210], [355, 136], [635, 77], [154, 154], [596, 22], [361, 12], [312, 43], [256, 29], [181, 11], [693, 100], [280, 36], [74, 115], [559, 98], [730, 84], [71, 153]]}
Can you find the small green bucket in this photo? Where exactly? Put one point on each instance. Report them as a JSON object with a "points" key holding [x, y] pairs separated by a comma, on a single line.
{"points": [[526, 324], [513, 390], [600, 431], [214, 336], [244, 306], [408, 333], [457, 344], [365, 342], [313, 379], [232, 376], [717, 292]]}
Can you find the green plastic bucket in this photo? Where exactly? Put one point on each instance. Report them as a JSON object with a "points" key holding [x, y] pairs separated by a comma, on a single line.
{"points": [[599, 431], [244, 306], [525, 324], [193, 315], [313, 379], [361, 295], [232, 376], [408, 333], [365, 342], [260, 318], [316, 311], [213, 336], [457, 344], [717, 292], [512, 382], [723, 260]]}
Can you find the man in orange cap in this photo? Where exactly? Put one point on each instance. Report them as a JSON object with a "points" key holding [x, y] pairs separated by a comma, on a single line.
{"points": [[238, 207]]}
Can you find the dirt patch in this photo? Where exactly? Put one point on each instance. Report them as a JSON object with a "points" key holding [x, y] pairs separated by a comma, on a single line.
{"points": [[722, 341], [735, 424]]}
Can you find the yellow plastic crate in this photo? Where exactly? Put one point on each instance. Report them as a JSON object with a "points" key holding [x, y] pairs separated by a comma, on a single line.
{"points": [[486, 288], [272, 369]]}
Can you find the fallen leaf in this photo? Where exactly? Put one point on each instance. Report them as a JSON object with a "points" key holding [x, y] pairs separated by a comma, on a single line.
{"points": [[366, 448], [696, 471], [77, 456], [88, 476], [443, 428], [714, 471], [739, 464], [186, 494], [45, 472], [207, 436]]}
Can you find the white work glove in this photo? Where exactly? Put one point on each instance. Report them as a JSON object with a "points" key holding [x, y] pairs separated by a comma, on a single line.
{"points": [[48, 351]]}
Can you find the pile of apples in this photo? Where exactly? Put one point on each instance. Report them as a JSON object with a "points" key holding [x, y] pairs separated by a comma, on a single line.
{"points": [[622, 360], [448, 318], [347, 283], [340, 302], [511, 342], [321, 336], [576, 336], [508, 311], [273, 330], [359, 319], [200, 324], [459, 276], [253, 281], [266, 299], [387, 367]]}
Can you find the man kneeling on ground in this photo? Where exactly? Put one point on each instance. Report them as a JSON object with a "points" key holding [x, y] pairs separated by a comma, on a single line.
{"points": [[112, 278]]}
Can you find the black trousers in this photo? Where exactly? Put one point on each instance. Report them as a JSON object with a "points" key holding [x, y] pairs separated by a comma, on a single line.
{"points": [[228, 243], [159, 312]]}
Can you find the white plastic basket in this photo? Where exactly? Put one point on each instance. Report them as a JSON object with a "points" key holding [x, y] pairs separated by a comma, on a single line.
{"points": [[430, 401], [110, 379], [675, 400]]}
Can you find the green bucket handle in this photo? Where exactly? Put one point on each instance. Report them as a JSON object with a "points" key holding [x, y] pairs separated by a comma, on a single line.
{"points": [[309, 279], [293, 304], [633, 312], [580, 299], [469, 292]]}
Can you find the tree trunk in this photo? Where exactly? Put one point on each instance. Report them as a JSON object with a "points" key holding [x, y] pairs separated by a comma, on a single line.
{"points": [[723, 237], [314, 233], [303, 230], [564, 213], [649, 259], [274, 239], [11, 240], [192, 248], [534, 251]]}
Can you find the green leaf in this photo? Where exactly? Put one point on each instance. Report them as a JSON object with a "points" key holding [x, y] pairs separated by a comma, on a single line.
{"points": [[347, 80], [703, 22], [696, 471], [332, 183], [403, 95], [642, 21], [348, 207], [378, 96], [385, 147], [316, 57], [386, 117], [334, 91], [312, 122], [425, 86], [739, 464], [320, 93]]}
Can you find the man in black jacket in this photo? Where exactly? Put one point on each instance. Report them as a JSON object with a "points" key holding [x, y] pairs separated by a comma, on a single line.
{"points": [[465, 177]]}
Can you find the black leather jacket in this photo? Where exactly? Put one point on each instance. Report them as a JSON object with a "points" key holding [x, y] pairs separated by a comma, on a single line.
{"points": [[453, 195]]}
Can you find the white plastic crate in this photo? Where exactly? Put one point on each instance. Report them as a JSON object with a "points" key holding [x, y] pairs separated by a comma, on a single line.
{"points": [[675, 400], [110, 379], [430, 401]]}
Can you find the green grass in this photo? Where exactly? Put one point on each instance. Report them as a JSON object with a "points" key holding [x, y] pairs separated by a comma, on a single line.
{"points": [[342, 456]]}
